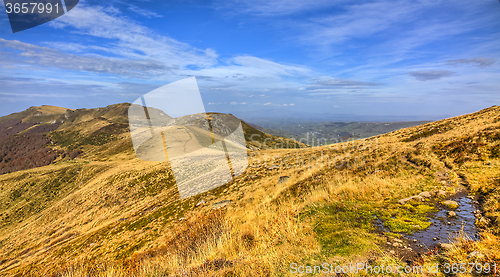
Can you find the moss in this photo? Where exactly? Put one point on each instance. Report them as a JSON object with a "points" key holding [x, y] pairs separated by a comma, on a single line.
{"points": [[342, 229], [408, 218]]}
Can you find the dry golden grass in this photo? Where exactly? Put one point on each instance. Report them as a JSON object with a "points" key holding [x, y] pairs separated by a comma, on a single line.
{"points": [[125, 218]]}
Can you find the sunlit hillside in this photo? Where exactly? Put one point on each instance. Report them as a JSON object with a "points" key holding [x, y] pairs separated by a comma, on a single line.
{"points": [[94, 209]]}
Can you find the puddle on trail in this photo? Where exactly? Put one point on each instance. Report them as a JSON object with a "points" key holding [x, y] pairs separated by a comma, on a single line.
{"points": [[442, 230], [439, 229]]}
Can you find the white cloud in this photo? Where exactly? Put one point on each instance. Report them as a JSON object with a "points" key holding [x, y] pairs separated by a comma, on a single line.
{"points": [[138, 52], [46, 57], [130, 39]]}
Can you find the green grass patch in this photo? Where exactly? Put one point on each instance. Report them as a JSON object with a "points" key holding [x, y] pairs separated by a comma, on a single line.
{"points": [[408, 218], [343, 229]]}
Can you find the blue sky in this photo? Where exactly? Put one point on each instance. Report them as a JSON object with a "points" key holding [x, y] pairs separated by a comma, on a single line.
{"points": [[422, 59]]}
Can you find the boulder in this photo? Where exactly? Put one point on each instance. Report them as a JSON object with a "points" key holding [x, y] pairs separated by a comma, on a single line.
{"points": [[398, 240], [425, 194], [410, 199], [450, 204], [451, 214], [441, 193]]}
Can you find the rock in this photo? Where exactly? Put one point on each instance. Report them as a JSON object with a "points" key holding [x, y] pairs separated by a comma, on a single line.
{"points": [[451, 214], [396, 244], [470, 197], [283, 179], [434, 239], [449, 223], [201, 202], [221, 204], [441, 193], [450, 204], [475, 254], [425, 194], [411, 198], [446, 246], [273, 167], [482, 222], [416, 226], [404, 200], [414, 240], [398, 240]]}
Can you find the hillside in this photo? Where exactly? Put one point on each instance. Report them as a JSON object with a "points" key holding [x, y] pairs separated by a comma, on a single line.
{"points": [[375, 200], [43, 135]]}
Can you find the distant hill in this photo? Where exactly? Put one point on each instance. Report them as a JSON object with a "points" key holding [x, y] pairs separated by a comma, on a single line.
{"points": [[315, 133], [42, 135]]}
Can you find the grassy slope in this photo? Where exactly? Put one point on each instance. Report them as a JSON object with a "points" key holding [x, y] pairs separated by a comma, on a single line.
{"points": [[118, 214]]}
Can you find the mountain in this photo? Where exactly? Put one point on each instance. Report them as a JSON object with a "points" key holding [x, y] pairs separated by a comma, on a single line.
{"points": [[385, 200], [43, 135]]}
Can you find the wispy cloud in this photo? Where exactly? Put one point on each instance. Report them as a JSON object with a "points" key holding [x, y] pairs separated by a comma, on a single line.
{"points": [[328, 82], [130, 49], [274, 8], [143, 12], [29, 54], [481, 62], [430, 74], [131, 39], [241, 69], [356, 21]]}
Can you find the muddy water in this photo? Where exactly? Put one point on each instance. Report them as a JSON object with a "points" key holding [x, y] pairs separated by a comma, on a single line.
{"points": [[443, 228]]}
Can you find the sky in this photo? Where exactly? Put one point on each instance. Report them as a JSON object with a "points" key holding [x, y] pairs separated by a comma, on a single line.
{"points": [[322, 60]]}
